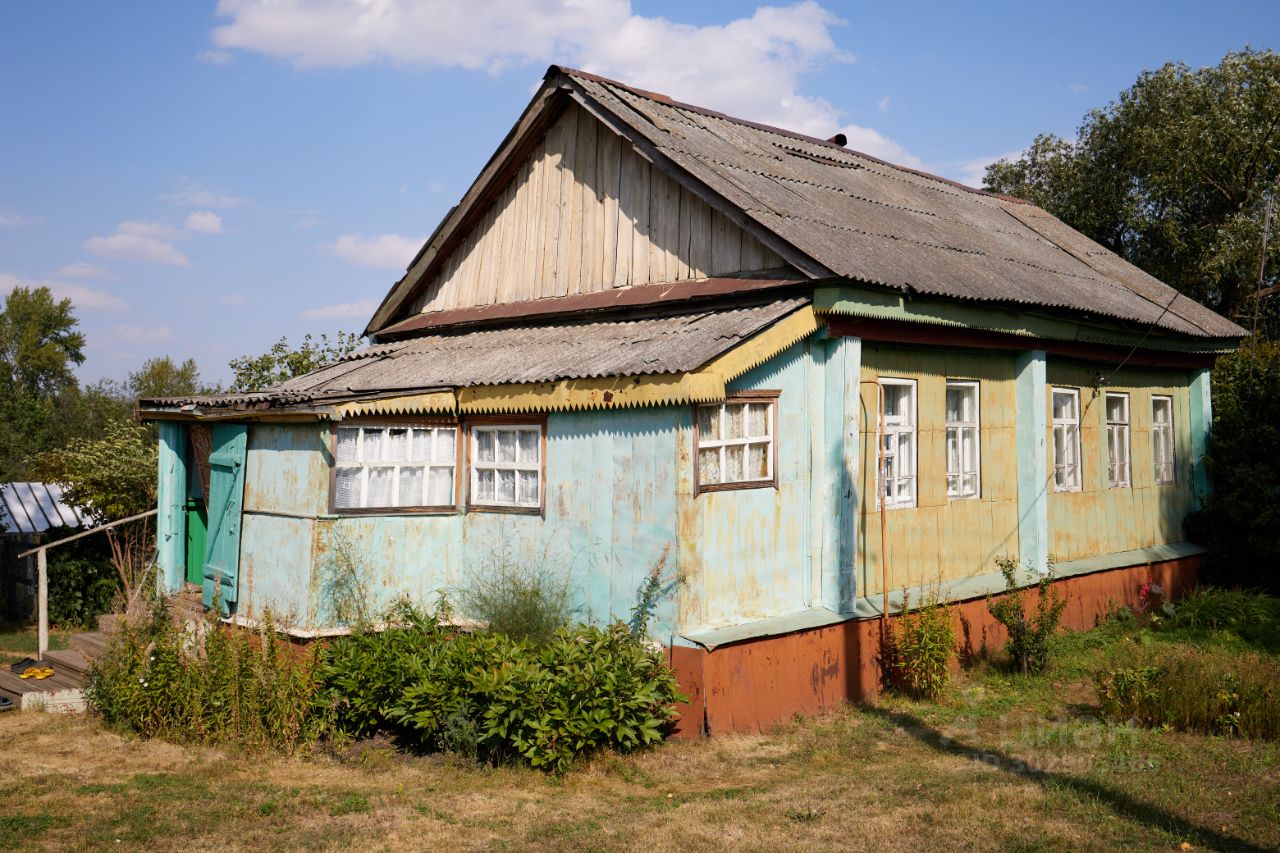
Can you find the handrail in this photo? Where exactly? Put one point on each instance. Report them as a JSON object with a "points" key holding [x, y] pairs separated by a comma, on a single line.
{"points": [[88, 532], [42, 569]]}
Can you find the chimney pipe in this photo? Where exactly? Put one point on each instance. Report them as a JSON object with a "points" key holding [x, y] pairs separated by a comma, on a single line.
{"points": [[839, 139]]}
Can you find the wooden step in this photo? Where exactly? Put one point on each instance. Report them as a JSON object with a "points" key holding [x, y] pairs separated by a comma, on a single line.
{"points": [[90, 644], [61, 692], [70, 661]]}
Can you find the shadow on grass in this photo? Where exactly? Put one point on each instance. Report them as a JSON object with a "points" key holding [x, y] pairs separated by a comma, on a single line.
{"points": [[1120, 803]]}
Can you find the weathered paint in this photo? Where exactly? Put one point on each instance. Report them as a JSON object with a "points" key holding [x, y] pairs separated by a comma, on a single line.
{"points": [[1201, 402], [1030, 429], [1101, 520], [939, 539], [834, 516], [753, 685], [171, 499], [226, 503]]}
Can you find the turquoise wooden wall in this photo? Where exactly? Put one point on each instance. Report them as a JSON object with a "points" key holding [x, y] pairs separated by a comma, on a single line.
{"points": [[619, 496]]}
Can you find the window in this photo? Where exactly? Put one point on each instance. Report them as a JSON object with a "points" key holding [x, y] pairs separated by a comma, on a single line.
{"points": [[395, 466], [735, 442], [897, 477], [963, 453], [1162, 439], [1066, 440], [1117, 441], [506, 466]]}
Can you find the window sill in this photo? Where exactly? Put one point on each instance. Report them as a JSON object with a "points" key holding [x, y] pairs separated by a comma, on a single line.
{"points": [[505, 510], [737, 487], [343, 512]]}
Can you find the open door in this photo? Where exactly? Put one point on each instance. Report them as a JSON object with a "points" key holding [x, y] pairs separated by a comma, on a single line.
{"points": [[226, 494]]}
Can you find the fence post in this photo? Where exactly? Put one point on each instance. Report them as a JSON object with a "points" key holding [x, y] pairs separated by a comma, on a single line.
{"points": [[42, 598]]}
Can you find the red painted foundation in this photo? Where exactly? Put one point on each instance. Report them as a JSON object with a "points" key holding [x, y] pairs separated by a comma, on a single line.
{"points": [[755, 684]]}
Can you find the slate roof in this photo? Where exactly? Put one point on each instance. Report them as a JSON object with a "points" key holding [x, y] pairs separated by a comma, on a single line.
{"points": [[871, 221], [29, 508], [673, 342]]}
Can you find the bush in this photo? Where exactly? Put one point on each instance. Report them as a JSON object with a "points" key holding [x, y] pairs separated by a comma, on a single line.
{"points": [[1212, 691], [1028, 645], [80, 589], [523, 599], [1251, 616], [495, 698], [1239, 519], [918, 656], [206, 684]]}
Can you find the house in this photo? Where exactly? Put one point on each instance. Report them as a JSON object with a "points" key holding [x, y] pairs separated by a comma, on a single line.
{"points": [[650, 332]]}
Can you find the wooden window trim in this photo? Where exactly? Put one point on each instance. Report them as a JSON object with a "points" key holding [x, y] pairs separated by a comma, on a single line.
{"points": [[532, 420], [771, 397], [391, 420], [1127, 426], [1078, 485], [914, 385], [976, 385], [1173, 442]]}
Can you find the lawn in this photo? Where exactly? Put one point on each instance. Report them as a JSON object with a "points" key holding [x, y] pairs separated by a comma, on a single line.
{"points": [[17, 643], [1001, 762]]}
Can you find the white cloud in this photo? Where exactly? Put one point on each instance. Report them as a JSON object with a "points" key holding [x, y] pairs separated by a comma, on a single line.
{"points": [[84, 298], [388, 251], [17, 219], [192, 194], [82, 270], [342, 311], [148, 242], [214, 57], [233, 299], [154, 334], [1077, 88], [883, 104], [749, 67], [204, 222], [971, 172]]}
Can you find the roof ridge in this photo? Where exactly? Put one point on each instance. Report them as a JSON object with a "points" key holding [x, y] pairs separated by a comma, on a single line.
{"points": [[780, 131]]}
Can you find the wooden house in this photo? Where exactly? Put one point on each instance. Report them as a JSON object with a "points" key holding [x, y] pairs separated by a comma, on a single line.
{"points": [[650, 333]]}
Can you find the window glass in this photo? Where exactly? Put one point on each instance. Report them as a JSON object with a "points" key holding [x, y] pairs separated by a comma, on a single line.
{"points": [[1162, 440], [381, 467], [962, 440], [506, 465], [1066, 439], [897, 469], [735, 443], [1117, 440]]}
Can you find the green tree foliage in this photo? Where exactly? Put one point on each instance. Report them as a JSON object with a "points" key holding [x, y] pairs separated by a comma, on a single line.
{"points": [[160, 377], [282, 361], [39, 346], [110, 476], [38, 343], [1172, 176], [1240, 518]]}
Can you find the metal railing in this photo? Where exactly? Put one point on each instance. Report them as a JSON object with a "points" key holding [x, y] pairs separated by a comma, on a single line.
{"points": [[42, 572]]}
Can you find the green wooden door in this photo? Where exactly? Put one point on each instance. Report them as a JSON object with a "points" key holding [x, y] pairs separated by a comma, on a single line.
{"points": [[197, 530], [226, 493]]}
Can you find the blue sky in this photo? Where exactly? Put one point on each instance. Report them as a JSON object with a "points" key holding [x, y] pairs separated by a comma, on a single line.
{"points": [[202, 178]]}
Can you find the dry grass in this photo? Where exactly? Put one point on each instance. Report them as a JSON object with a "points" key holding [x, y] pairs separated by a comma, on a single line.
{"points": [[1001, 763]]}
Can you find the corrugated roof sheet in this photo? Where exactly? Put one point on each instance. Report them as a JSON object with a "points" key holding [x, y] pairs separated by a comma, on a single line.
{"points": [[545, 352], [871, 221], [36, 507]]}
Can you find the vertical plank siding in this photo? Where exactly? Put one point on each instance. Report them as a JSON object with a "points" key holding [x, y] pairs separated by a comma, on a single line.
{"points": [[586, 213]]}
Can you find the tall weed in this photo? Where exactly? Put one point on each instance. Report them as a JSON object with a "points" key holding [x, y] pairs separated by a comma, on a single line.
{"points": [[920, 643], [1029, 630]]}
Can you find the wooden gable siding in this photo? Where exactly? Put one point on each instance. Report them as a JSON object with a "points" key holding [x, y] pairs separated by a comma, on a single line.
{"points": [[585, 213]]}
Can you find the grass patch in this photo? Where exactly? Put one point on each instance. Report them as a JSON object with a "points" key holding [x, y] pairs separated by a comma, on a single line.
{"points": [[997, 762]]}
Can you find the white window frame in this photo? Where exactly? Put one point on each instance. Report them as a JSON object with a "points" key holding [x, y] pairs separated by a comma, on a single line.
{"points": [[1069, 427], [1119, 470], [366, 464], [767, 399], [959, 428], [896, 427], [1162, 433], [475, 465]]}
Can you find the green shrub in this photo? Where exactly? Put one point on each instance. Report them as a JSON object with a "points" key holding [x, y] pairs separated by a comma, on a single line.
{"points": [[918, 655], [205, 684], [491, 697], [1250, 616], [586, 689], [523, 600], [80, 589], [1029, 633], [1212, 691]]}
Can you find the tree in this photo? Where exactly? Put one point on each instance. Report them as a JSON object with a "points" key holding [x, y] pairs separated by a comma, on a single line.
{"points": [[282, 362], [1172, 176], [160, 377], [38, 343]]}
